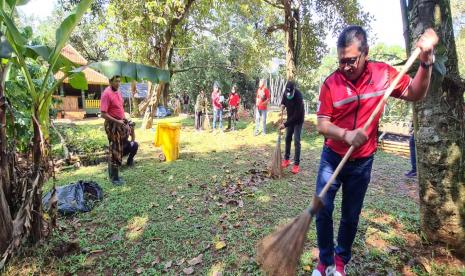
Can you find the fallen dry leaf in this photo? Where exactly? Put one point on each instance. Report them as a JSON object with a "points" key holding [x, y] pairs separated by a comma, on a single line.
{"points": [[180, 262], [170, 207], [152, 205], [196, 260], [156, 261], [188, 271], [206, 247], [220, 245], [168, 264], [232, 202], [139, 270]]}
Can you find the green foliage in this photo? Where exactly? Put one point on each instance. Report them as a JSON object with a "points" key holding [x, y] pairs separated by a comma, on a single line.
{"points": [[216, 61], [389, 54], [80, 139], [40, 90], [20, 128], [131, 71]]}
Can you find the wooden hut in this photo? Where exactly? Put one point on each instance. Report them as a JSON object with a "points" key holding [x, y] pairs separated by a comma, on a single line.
{"points": [[74, 103]]}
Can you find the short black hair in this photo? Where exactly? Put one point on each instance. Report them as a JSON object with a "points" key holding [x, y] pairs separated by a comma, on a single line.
{"points": [[115, 77], [353, 34]]}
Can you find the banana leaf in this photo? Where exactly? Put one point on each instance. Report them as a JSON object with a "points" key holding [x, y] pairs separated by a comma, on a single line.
{"points": [[131, 71]]}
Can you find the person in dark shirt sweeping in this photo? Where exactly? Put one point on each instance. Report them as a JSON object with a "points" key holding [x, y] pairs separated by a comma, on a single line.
{"points": [[293, 102]]}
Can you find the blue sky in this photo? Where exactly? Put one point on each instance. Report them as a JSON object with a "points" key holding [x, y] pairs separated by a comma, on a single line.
{"points": [[387, 24]]}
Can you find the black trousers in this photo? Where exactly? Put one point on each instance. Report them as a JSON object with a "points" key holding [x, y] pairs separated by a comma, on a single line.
{"points": [[198, 120], [232, 117], [295, 130], [130, 149]]}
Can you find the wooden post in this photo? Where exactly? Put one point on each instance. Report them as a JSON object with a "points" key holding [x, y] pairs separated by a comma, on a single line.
{"points": [[83, 96]]}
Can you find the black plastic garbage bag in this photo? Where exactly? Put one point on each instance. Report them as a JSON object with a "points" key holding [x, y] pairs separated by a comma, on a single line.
{"points": [[75, 197]]}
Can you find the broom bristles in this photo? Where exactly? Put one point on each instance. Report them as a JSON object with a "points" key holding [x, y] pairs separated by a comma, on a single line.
{"points": [[206, 122], [279, 252], [276, 170]]}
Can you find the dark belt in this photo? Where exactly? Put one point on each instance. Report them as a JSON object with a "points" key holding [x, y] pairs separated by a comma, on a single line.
{"points": [[352, 160]]}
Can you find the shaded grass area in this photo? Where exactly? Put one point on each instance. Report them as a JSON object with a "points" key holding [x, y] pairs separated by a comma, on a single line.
{"points": [[217, 201]]}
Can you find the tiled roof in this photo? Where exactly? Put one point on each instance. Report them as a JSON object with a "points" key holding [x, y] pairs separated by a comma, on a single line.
{"points": [[92, 77], [73, 55]]}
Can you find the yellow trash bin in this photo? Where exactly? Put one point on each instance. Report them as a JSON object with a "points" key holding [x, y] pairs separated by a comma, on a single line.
{"points": [[167, 136]]}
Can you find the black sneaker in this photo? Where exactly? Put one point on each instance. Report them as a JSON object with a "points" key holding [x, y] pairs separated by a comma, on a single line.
{"points": [[411, 174]]}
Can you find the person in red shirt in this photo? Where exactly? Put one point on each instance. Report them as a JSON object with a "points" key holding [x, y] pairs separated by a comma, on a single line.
{"points": [[217, 107], [347, 99], [262, 99], [233, 103], [116, 127]]}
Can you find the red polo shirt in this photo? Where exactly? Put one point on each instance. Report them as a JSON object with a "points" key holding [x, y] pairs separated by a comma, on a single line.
{"points": [[350, 105], [216, 100], [234, 99], [111, 102], [263, 94]]}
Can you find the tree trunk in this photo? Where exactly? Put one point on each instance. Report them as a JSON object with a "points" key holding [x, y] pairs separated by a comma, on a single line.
{"points": [[151, 108], [135, 108], [6, 225], [37, 157], [440, 133], [165, 94], [406, 33], [289, 23]]}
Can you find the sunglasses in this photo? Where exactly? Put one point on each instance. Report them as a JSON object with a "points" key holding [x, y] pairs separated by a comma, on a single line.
{"points": [[352, 61]]}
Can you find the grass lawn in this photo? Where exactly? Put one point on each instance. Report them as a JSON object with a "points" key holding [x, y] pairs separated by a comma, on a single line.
{"points": [[214, 204]]}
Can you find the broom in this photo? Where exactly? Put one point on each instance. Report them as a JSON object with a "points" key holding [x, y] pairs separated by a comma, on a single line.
{"points": [[276, 171], [279, 252], [206, 121]]}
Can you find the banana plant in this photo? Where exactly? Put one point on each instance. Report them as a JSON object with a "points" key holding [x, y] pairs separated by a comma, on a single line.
{"points": [[41, 94], [14, 49]]}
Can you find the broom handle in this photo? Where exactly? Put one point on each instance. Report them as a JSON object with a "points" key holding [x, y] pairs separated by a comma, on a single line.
{"points": [[380, 105]]}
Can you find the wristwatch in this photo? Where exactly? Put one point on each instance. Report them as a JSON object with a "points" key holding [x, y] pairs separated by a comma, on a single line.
{"points": [[427, 65]]}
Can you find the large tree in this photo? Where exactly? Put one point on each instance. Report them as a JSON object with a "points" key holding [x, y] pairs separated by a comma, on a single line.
{"points": [[306, 23], [148, 30], [440, 130]]}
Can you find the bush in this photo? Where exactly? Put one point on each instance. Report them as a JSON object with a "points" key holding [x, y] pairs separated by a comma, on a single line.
{"points": [[80, 139]]}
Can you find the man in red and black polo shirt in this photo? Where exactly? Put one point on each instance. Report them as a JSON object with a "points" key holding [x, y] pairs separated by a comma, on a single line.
{"points": [[347, 98], [111, 107]]}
